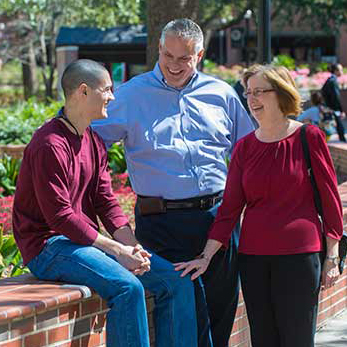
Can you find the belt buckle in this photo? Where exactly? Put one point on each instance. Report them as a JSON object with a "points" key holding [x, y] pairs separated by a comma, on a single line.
{"points": [[207, 203], [202, 203], [214, 200]]}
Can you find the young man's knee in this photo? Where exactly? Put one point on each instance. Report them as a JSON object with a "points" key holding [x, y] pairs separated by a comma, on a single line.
{"points": [[132, 287]]}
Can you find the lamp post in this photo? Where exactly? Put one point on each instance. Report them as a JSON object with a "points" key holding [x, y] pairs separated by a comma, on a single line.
{"points": [[264, 32], [247, 17]]}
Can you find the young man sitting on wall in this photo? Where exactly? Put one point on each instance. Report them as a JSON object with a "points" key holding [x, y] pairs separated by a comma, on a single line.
{"points": [[63, 185]]}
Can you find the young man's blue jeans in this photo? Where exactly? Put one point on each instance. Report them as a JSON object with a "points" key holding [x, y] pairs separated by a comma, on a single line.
{"points": [[175, 318]]}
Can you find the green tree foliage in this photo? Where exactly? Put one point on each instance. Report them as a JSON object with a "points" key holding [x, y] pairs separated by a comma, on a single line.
{"points": [[35, 23], [326, 15]]}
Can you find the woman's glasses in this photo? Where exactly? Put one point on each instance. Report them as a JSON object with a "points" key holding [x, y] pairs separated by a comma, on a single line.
{"points": [[257, 92]]}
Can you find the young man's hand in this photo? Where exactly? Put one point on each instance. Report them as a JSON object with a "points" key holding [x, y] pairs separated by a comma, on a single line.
{"points": [[133, 258]]}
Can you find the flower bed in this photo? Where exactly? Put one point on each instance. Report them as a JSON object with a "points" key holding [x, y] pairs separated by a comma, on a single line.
{"points": [[6, 204], [304, 77], [125, 195], [10, 259]]}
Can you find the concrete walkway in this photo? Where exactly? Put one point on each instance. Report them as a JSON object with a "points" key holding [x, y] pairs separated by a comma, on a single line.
{"points": [[334, 334]]}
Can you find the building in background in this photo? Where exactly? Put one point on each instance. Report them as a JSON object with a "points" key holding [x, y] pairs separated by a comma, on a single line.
{"points": [[123, 49]]}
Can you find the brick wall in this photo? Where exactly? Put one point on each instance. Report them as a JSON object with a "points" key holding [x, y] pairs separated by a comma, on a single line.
{"points": [[338, 153], [333, 300], [50, 314], [15, 151], [76, 324], [37, 313]]}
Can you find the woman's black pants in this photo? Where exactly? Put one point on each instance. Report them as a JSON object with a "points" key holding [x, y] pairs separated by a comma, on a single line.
{"points": [[281, 297]]}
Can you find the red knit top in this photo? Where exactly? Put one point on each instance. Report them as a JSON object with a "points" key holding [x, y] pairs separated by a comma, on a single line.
{"points": [[62, 186], [270, 180]]}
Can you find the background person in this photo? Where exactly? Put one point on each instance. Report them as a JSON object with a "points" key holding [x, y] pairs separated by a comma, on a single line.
{"points": [[63, 185], [318, 114], [332, 97], [281, 239], [178, 127]]}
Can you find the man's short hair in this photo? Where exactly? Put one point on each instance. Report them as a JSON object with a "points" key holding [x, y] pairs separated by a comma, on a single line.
{"points": [[282, 82], [81, 71], [186, 29]]}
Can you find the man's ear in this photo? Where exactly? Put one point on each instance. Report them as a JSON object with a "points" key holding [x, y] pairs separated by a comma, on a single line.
{"points": [[200, 55], [83, 89]]}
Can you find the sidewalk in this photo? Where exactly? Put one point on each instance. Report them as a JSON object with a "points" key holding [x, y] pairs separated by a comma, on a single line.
{"points": [[334, 334]]}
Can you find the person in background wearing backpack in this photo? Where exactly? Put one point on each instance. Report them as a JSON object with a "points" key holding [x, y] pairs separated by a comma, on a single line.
{"points": [[318, 114], [332, 98]]}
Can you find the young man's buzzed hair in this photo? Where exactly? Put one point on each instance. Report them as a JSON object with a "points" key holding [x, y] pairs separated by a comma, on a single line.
{"points": [[81, 71]]}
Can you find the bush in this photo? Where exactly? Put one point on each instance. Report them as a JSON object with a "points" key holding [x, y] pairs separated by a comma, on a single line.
{"points": [[229, 75], [116, 158], [284, 60], [19, 122], [323, 66], [9, 170], [11, 261]]}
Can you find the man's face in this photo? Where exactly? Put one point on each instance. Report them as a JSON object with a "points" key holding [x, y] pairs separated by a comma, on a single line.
{"points": [[99, 97], [339, 70], [178, 60]]}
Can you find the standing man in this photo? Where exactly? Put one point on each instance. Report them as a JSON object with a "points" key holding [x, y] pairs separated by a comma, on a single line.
{"points": [[179, 126], [63, 185], [332, 98]]}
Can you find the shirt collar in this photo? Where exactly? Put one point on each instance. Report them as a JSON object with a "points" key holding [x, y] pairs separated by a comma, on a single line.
{"points": [[159, 75]]}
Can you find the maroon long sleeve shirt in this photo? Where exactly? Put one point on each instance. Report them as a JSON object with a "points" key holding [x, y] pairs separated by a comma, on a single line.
{"points": [[63, 184], [271, 181]]}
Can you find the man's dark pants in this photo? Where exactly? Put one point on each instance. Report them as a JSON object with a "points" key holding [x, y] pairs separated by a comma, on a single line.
{"points": [[340, 128], [180, 235]]}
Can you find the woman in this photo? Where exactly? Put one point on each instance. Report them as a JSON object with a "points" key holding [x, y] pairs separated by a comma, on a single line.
{"points": [[318, 114], [281, 239]]}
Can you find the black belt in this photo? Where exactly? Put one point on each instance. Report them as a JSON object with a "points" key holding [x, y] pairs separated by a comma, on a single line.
{"points": [[202, 202], [157, 205]]}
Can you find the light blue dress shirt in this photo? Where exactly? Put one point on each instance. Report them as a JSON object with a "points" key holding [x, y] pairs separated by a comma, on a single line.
{"points": [[176, 140]]}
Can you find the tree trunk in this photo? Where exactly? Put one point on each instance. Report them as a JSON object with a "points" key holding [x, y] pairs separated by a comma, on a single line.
{"points": [[160, 12], [29, 73]]}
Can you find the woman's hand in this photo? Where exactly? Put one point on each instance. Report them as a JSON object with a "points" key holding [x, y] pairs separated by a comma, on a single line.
{"points": [[330, 270], [200, 265], [330, 273]]}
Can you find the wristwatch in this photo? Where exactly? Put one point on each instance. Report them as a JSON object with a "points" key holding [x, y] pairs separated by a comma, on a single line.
{"points": [[333, 258]]}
